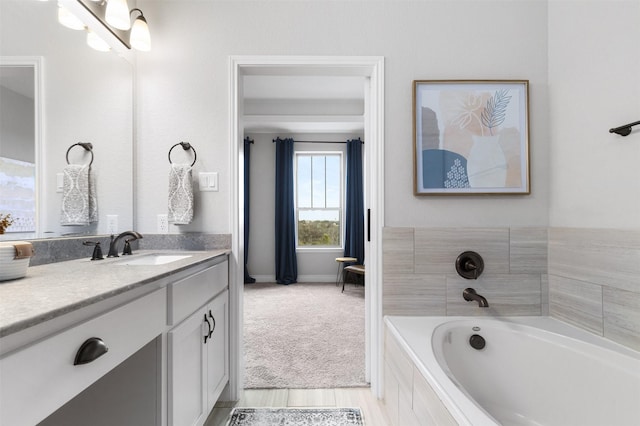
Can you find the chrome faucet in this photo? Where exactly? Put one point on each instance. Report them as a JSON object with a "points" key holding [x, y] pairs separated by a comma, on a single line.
{"points": [[113, 245], [470, 294]]}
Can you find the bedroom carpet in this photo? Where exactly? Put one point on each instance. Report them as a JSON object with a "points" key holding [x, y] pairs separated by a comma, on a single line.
{"points": [[303, 335]]}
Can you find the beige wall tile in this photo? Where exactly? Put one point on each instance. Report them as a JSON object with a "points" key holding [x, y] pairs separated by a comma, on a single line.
{"points": [[609, 257], [544, 287], [436, 249], [397, 250], [413, 294], [576, 302], [622, 316], [513, 294], [528, 250]]}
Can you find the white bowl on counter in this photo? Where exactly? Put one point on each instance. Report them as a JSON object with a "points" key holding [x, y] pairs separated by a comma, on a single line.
{"points": [[14, 259]]}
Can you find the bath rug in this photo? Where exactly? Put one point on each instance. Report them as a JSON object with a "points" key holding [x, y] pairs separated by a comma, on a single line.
{"points": [[296, 417]]}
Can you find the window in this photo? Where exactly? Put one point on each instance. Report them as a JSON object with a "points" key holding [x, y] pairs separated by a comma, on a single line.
{"points": [[319, 199]]}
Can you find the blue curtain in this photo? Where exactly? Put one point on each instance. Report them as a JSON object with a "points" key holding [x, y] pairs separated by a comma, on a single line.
{"points": [[248, 279], [354, 209], [286, 262]]}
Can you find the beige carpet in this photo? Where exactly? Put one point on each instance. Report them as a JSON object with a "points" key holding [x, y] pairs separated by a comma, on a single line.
{"points": [[304, 335]]}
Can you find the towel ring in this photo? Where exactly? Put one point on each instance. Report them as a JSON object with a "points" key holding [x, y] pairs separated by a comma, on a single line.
{"points": [[186, 146], [88, 146]]}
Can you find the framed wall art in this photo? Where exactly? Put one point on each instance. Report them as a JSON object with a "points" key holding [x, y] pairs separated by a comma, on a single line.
{"points": [[471, 137]]}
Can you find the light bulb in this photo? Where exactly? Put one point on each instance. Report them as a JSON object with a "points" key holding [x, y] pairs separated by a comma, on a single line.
{"points": [[68, 19], [96, 42], [140, 37], [117, 14]]}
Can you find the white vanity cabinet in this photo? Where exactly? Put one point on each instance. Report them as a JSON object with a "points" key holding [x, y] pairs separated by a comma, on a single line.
{"points": [[41, 377], [165, 330], [198, 345]]}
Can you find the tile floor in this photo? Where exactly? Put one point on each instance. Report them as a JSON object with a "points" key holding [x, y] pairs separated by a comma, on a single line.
{"points": [[373, 410]]}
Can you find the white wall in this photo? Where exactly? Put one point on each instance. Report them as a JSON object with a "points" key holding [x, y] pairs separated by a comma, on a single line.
{"points": [[16, 126], [183, 89], [594, 84]]}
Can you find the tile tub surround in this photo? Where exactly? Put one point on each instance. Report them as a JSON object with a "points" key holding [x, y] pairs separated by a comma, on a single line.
{"points": [[51, 250], [594, 281], [586, 277], [420, 276]]}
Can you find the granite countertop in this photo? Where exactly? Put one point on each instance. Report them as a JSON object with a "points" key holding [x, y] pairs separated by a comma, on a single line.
{"points": [[52, 290]]}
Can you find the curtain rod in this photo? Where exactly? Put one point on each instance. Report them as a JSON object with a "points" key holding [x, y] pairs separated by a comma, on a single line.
{"points": [[362, 142]]}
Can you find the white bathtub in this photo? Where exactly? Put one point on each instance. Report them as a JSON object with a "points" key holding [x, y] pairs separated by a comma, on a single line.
{"points": [[532, 371]]}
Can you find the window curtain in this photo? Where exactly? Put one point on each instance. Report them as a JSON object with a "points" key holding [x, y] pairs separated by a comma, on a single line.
{"points": [[248, 279], [354, 208], [286, 261]]}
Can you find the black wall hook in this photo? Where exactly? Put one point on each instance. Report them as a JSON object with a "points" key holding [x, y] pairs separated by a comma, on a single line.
{"points": [[624, 130]]}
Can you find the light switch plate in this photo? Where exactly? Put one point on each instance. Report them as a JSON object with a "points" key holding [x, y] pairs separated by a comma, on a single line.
{"points": [[208, 181]]}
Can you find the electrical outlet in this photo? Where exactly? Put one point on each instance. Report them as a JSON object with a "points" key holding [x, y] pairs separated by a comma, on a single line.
{"points": [[112, 224], [163, 224]]}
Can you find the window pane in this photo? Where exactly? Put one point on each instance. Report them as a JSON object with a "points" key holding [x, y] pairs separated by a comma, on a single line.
{"points": [[319, 228], [318, 181], [333, 181], [304, 181]]}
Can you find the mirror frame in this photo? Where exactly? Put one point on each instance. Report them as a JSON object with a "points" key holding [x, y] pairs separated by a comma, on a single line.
{"points": [[37, 63]]}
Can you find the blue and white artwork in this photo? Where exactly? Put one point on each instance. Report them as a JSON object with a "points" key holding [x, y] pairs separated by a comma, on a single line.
{"points": [[471, 137]]}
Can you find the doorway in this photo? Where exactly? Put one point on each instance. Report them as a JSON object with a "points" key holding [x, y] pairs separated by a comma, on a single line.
{"points": [[372, 69]]}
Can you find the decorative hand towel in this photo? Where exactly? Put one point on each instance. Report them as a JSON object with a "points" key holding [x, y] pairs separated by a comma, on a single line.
{"points": [[180, 194], [79, 201]]}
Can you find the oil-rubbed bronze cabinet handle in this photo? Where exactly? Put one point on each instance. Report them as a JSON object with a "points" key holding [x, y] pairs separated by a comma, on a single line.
{"points": [[214, 323], [90, 350], [208, 335]]}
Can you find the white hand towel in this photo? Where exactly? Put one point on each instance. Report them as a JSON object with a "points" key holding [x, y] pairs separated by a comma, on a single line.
{"points": [[180, 194], [79, 201]]}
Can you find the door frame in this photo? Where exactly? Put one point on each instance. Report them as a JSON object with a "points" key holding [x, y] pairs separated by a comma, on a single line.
{"points": [[372, 68]]}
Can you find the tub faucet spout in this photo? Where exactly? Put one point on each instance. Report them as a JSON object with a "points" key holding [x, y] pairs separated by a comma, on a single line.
{"points": [[470, 295]]}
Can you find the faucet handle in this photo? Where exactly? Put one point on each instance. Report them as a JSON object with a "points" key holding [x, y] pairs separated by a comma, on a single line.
{"points": [[97, 250], [127, 248]]}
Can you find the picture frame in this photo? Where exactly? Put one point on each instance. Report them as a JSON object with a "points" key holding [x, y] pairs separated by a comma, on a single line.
{"points": [[471, 137]]}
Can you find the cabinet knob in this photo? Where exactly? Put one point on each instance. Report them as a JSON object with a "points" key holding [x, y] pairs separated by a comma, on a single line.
{"points": [[90, 350]]}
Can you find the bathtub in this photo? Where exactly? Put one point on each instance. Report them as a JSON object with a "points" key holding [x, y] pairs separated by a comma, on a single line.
{"points": [[531, 371]]}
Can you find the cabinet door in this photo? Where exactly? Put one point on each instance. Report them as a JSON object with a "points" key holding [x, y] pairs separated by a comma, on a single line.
{"points": [[218, 348], [187, 368]]}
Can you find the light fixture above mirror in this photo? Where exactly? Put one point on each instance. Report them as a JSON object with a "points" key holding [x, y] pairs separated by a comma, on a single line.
{"points": [[107, 20], [117, 14]]}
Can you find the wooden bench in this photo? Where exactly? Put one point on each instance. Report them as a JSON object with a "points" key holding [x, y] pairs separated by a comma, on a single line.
{"points": [[355, 269]]}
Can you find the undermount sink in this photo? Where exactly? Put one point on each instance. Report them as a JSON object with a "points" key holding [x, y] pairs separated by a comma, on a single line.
{"points": [[152, 259]]}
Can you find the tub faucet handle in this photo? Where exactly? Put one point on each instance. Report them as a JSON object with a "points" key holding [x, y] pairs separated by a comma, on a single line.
{"points": [[469, 265]]}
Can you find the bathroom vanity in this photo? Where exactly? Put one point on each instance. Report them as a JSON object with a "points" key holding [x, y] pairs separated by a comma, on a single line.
{"points": [[143, 338]]}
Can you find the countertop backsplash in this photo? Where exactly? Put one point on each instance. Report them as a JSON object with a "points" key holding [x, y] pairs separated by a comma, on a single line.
{"points": [[68, 248]]}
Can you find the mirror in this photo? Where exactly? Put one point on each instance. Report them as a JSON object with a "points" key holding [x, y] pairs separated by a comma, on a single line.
{"points": [[76, 94]]}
